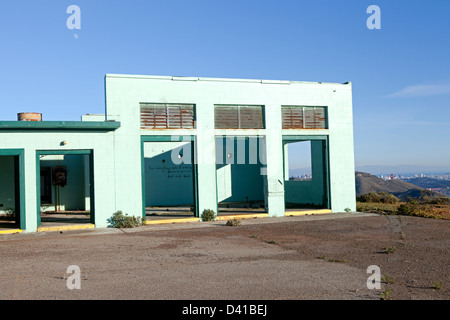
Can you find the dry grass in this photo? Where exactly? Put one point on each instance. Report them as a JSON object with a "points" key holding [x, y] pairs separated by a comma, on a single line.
{"points": [[426, 210]]}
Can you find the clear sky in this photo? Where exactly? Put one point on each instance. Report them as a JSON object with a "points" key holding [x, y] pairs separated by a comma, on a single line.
{"points": [[400, 73]]}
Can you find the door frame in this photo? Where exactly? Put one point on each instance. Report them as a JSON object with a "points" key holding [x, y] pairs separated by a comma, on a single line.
{"points": [[247, 139], [19, 179], [326, 160]]}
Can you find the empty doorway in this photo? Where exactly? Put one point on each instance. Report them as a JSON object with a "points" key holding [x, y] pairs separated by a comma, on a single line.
{"points": [[12, 190], [65, 188], [240, 175], [169, 178], [306, 172]]}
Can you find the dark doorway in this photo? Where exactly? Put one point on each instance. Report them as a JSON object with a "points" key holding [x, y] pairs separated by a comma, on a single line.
{"points": [[12, 211]]}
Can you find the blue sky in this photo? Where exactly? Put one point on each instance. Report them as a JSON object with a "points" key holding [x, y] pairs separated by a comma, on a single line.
{"points": [[400, 73]]}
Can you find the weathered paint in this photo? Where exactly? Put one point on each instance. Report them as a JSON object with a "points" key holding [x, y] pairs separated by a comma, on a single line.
{"points": [[66, 227], [307, 212], [171, 221]]}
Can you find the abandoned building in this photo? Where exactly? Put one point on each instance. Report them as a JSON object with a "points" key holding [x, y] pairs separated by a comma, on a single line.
{"points": [[167, 148]]}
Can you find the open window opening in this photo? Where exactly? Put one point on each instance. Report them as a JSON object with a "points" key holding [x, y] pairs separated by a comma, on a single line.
{"points": [[240, 175], [169, 180], [305, 175], [65, 187]]}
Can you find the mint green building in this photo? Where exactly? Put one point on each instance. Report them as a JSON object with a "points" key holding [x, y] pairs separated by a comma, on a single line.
{"points": [[181, 145]]}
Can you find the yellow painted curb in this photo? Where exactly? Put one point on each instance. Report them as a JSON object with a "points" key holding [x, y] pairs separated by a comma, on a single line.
{"points": [[243, 216], [305, 212], [66, 228], [168, 221], [11, 231]]}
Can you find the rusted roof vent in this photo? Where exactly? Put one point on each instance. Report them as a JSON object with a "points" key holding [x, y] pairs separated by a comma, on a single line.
{"points": [[29, 116]]}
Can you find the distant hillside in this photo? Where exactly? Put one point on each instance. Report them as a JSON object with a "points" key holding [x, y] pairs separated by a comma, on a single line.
{"points": [[403, 169], [429, 182], [366, 183]]}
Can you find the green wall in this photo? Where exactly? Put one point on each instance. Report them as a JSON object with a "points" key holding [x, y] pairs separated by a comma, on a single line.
{"points": [[168, 179]]}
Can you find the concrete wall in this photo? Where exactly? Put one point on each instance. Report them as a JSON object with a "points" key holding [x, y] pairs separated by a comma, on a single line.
{"points": [[298, 193], [124, 93], [168, 181]]}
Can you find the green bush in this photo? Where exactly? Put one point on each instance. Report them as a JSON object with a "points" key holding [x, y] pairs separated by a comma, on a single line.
{"points": [[429, 197], [233, 222], [120, 220], [380, 197], [408, 208], [208, 215]]}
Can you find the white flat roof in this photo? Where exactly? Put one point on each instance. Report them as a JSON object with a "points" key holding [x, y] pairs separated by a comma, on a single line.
{"points": [[181, 78]]}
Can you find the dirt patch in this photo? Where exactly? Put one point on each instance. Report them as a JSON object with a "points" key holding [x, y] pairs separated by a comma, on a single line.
{"points": [[288, 258]]}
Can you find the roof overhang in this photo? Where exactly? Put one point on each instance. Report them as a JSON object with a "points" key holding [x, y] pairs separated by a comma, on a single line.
{"points": [[59, 125]]}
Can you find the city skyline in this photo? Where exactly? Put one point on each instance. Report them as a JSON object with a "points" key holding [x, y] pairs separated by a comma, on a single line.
{"points": [[399, 73]]}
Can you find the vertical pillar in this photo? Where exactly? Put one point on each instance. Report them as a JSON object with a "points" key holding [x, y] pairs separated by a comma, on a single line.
{"points": [[31, 167], [206, 158], [274, 159]]}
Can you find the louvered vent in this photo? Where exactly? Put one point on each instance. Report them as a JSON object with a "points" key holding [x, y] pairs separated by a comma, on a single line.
{"points": [[167, 116], [304, 117], [238, 117]]}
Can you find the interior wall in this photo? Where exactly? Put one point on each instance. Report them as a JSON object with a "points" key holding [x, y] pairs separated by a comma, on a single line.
{"points": [[168, 174], [238, 170], [7, 184]]}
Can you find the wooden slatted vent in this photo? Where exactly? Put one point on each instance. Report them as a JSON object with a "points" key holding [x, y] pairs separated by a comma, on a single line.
{"points": [[304, 117], [238, 117], [167, 116]]}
